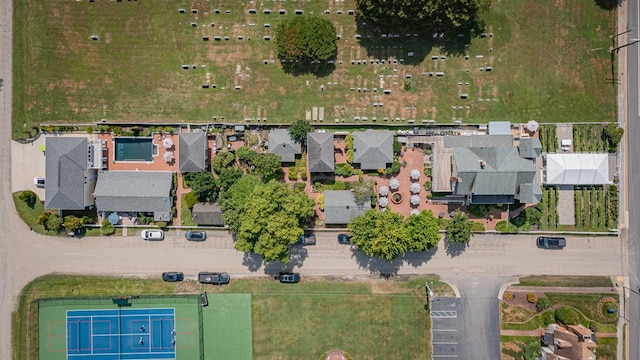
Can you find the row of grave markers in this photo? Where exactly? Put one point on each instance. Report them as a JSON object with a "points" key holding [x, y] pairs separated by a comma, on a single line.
{"points": [[267, 11]]}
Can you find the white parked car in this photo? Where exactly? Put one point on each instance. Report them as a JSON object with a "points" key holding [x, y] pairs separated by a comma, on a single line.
{"points": [[152, 234]]}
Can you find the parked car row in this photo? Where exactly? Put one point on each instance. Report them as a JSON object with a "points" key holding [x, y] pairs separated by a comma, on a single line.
{"points": [[159, 235], [222, 278]]}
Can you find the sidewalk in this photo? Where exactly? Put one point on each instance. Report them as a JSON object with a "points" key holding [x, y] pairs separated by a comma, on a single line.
{"points": [[540, 332], [574, 290]]}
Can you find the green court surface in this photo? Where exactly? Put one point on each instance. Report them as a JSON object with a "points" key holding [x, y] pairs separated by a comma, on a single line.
{"points": [[53, 329], [227, 327]]}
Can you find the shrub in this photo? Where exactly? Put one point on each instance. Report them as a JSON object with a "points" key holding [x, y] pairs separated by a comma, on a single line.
{"points": [[300, 186], [543, 304], [320, 201], [162, 224], [89, 129], [293, 174], [479, 227], [508, 296], [350, 156], [54, 222], [349, 141], [594, 326], [344, 170], [191, 199], [340, 185], [87, 220], [532, 298], [547, 318], [567, 316], [28, 197], [107, 228]]}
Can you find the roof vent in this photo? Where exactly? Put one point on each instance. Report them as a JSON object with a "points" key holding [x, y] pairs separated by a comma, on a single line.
{"points": [[347, 206]]}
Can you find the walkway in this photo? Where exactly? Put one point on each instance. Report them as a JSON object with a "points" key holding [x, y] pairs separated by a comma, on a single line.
{"points": [[540, 332]]}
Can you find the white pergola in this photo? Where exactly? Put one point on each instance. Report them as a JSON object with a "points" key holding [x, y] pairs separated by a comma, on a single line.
{"points": [[577, 169]]}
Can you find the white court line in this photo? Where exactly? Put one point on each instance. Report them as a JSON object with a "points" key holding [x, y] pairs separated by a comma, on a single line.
{"points": [[91, 334]]}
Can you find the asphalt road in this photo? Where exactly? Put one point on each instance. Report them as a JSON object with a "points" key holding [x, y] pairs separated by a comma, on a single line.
{"points": [[633, 177]]}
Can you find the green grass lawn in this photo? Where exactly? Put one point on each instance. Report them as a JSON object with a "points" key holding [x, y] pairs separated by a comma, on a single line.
{"points": [[566, 281], [370, 320], [549, 62], [30, 214]]}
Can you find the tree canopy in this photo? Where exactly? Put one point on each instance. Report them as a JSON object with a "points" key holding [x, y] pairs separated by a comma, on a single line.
{"points": [[299, 130], [269, 218], [422, 232], [459, 229], [268, 167], [205, 186], [233, 201], [380, 234], [306, 38], [420, 15]]}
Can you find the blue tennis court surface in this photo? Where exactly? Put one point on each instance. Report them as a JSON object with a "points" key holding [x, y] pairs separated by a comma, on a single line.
{"points": [[116, 334]]}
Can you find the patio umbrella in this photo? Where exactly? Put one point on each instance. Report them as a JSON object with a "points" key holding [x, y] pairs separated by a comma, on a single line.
{"points": [[394, 184], [532, 125], [415, 212], [167, 143], [383, 202], [415, 188], [168, 156], [415, 199], [113, 218], [383, 191], [415, 174]]}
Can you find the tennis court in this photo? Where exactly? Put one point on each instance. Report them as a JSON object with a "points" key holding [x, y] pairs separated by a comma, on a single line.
{"points": [[121, 334], [155, 327]]}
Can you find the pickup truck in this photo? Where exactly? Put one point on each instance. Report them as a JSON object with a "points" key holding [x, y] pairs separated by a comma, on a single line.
{"points": [[306, 240]]}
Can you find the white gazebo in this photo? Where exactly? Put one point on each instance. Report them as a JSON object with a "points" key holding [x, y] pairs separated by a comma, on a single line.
{"points": [[577, 169]]}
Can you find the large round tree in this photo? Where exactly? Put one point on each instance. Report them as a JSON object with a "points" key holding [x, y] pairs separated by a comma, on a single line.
{"points": [[306, 39]]}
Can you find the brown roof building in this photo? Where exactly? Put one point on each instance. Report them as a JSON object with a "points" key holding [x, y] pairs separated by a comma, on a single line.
{"points": [[573, 342]]}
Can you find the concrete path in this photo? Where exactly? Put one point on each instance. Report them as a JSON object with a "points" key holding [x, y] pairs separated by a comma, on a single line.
{"points": [[540, 332]]}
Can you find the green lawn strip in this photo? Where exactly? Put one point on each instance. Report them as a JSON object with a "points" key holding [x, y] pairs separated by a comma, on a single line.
{"points": [[532, 324], [508, 342], [30, 215], [185, 213], [607, 348], [566, 281], [21, 50]]}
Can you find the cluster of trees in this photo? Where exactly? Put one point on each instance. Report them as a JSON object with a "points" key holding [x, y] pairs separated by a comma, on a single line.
{"points": [[387, 235], [306, 39], [614, 135], [266, 217], [421, 15], [299, 130], [54, 222]]}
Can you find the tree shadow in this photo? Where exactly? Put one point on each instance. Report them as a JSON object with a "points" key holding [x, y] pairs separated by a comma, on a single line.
{"points": [[414, 47], [608, 4], [454, 249], [297, 256], [252, 261], [415, 259], [318, 69], [376, 265]]}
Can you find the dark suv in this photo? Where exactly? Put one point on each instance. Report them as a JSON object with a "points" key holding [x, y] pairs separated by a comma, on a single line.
{"points": [[548, 242], [215, 278], [289, 278], [172, 276]]}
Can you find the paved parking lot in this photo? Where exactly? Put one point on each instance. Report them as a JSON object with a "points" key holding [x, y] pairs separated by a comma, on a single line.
{"points": [[447, 319]]}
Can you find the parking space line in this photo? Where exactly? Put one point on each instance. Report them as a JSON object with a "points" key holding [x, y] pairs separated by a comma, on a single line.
{"points": [[444, 314]]}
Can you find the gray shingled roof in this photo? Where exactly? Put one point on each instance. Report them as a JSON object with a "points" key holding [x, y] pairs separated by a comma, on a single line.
{"points": [[320, 151], [282, 144], [207, 214], [65, 171], [503, 172], [373, 149], [340, 207], [134, 191], [530, 193], [530, 148], [192, 149], [477, 141]]}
